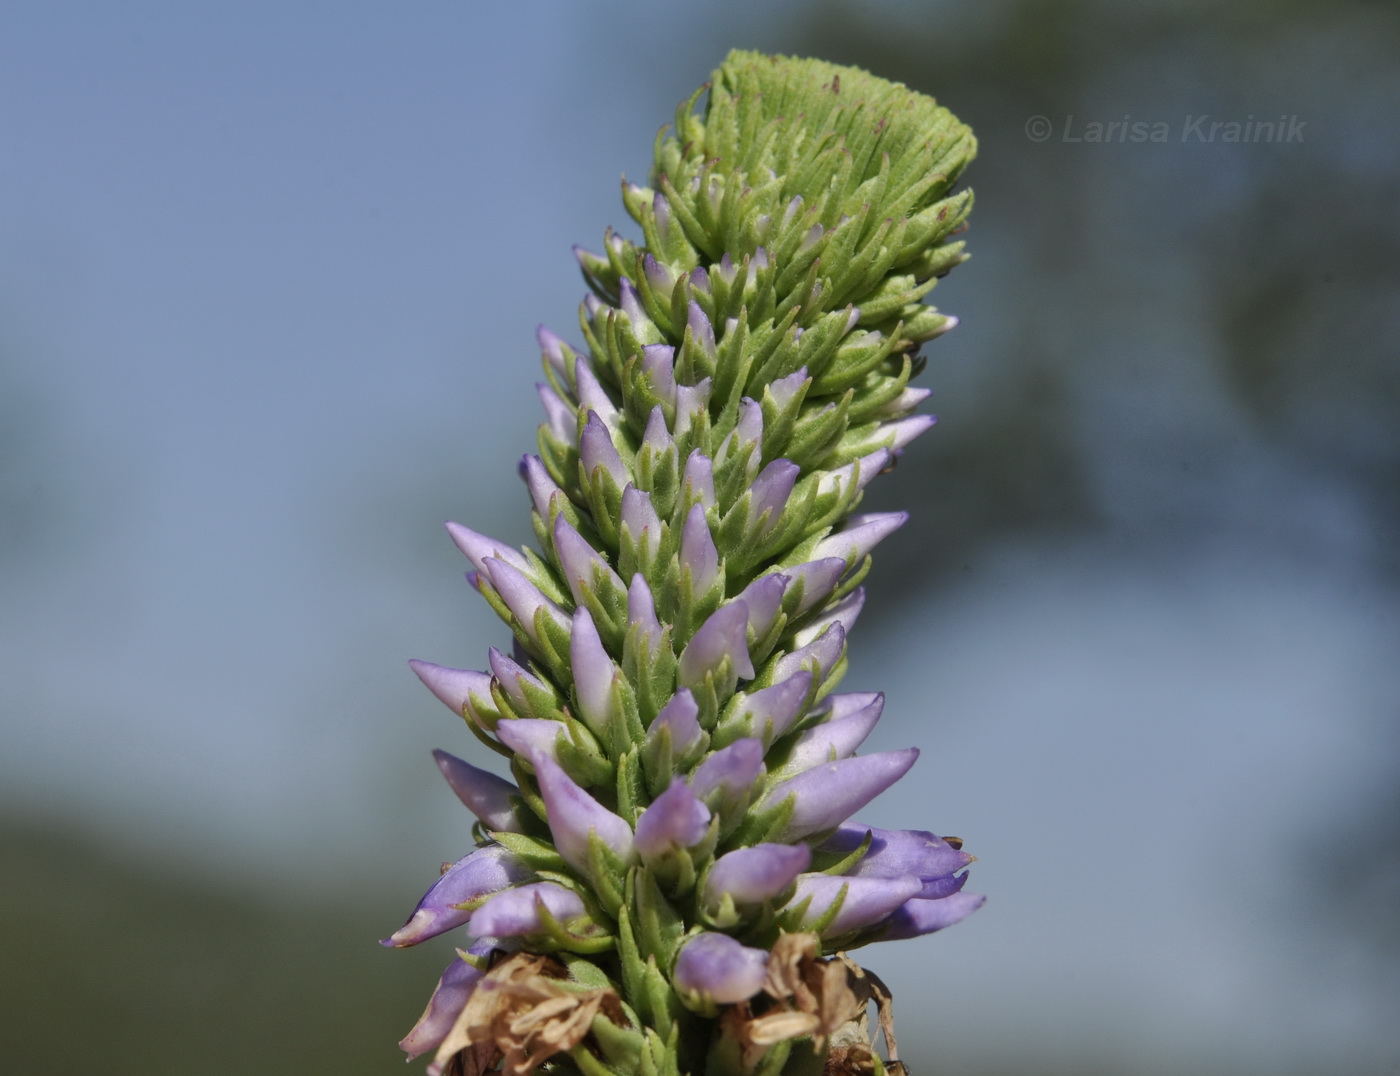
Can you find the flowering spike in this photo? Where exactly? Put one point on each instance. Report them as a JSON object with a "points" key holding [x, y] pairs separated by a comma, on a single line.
{"points": [[743, 377]]}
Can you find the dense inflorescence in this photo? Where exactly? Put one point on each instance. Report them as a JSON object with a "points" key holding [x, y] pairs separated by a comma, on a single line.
{"points": [[661, 886]]}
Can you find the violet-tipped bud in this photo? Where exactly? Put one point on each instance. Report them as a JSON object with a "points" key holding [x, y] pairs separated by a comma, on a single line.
{"points": [[477, 547], [827, 795], [492, 799], [835, 739], [485, 870], [675, 819], [594, 673], [861, 534], [523, 598], [527, 736], [448, 1000], [755, 874], [455, 687], [715, 968], [596, 451], [726, 779], [514, 912], [699, 557], [894, 853], [722, 638], [862, 901], [573, 814], [917, 917]]}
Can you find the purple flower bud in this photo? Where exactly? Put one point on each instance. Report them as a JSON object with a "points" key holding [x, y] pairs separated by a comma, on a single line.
{"points": [[641, 521], [485, 870], [819, 578], [823, 653], [698, 552], [835, 739], [446, 1004], [723, 635], [596, 450], [661, 210], [484, 794], [477, 547], [785, 389], [656, 436], [729, 773], [540, 485], [764, 597], [700, 329], [529, 736], [593, 306], [454, 687], [675, 819], [580, 561], [522, 597], [897, 852], [918, 917], [905, 402], [717, 967], [513, 678], [592, 396], [845, 612], [772, 710], [753, 875], [679, 716], [827, 795], [593, 674], [573, 814], [860, 535], [866, 900], [517, 911], [698, 480], [869, 466], [556, 352], [561, 418], [658, 365], [641, 610], [770, 492], [690, 401], [631, 304], [659, 276], [906, 429]]}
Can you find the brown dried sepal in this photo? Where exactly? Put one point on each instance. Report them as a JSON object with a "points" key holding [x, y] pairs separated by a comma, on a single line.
{"points": [[520, 1014]]}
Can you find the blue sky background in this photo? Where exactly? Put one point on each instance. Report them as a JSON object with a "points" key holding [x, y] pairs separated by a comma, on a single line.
{"points": [[269, 277]]}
